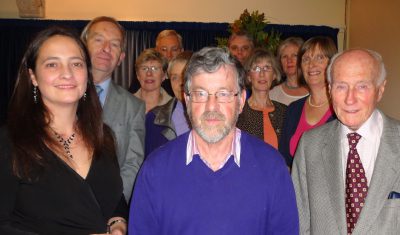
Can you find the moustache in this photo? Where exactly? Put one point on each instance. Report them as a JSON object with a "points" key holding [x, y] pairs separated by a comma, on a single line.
{"points": [[213, 115]]}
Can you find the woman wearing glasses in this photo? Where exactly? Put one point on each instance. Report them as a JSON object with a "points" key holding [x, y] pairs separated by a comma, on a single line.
{"points": [[262, 71], [151, 68], [315, 109]]}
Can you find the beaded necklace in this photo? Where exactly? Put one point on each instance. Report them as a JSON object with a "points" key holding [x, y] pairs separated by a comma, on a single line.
{"points": [[66, 143]]}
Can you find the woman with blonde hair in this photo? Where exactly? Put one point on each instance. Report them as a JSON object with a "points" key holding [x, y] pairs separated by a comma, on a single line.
{"points": [[262, 116], [151, 69], [292, 88]]}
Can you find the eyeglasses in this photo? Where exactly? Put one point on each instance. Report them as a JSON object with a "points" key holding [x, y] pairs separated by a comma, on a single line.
{"points": [[171, 49], [258, 69], [319, 59], [152, 69], [201, 96], [238, 48]]}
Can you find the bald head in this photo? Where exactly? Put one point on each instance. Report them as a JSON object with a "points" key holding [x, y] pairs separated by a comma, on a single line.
{"points": [[357, 82], [366, 60]]}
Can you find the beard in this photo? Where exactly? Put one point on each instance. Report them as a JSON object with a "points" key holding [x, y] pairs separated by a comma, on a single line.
{"points": [[213, 134]]}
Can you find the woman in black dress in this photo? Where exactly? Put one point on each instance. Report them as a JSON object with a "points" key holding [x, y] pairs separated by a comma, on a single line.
{"points": [[58, 169]]}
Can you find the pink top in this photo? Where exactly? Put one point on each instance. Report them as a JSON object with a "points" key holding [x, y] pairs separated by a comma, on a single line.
{"points": [[303, 126]]}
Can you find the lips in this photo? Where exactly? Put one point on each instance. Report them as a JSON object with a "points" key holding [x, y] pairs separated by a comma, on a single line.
{"points": [[314, 73], [65, 86]]}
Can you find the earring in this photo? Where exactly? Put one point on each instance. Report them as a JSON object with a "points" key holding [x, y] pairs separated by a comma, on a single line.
{"points": [[35, 99], [84, 96]]}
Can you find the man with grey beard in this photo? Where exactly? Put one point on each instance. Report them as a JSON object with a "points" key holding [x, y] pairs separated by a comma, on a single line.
{"points": [[215, 179]]}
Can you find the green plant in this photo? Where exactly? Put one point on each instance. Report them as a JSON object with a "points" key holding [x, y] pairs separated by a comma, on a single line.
{"points": [[254, 24]]}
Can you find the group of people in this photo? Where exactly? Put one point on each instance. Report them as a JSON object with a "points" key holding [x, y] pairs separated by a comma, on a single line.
{"points": [[75, 141]]}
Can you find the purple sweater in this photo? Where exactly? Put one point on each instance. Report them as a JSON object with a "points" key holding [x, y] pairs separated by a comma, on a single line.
{"points": [[171, 197]]}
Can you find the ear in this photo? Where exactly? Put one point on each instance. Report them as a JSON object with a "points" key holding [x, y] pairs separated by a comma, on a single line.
{"points": [[121, 58], [381, 89], [242, 100], [248, 78], [32, 77], [186, 98]]}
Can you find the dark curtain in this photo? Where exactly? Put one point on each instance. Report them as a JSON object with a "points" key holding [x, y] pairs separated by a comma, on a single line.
{"points": [[15, 35]]}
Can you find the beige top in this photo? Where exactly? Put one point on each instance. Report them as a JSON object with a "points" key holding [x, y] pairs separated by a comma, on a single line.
{"points": [[164, 98]]}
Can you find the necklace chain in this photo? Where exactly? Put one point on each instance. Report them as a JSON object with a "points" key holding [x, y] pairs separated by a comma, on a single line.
{"points": [[289, 86], [66, 143], [314, 105]]}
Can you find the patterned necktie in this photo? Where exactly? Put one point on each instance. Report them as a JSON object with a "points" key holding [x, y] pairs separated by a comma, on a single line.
{"points": [[99, 90], [356, 184]]}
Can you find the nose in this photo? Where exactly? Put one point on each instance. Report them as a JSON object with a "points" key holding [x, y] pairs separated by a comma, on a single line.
{"points": [[169, 54], [211, 103], [106, 46], [66, 72], [149, 72], [350, 96]]}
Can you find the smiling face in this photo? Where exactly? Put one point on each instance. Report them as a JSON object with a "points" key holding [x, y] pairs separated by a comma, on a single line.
{"points": [[262, 80], [289, 59], [104, 43], [60, 72], [313, 66], [211, 120], [150, 75], [354, 89]]}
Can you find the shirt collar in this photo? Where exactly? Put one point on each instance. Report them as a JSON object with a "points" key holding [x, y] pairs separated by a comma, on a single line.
{"points": [[371, 128], [192, 150], [105, 85]]}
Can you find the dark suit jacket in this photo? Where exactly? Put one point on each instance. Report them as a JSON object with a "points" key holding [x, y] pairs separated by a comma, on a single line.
{"points": [[293, 114], [318, 179], [125, 114]]}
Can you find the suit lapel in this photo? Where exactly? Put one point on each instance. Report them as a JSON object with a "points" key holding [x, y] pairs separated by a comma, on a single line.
{"points": [[332, 164], [386, 172]]}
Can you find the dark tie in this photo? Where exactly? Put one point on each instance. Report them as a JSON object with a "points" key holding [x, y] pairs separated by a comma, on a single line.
{"points": [[99, 90], [356, 183]]}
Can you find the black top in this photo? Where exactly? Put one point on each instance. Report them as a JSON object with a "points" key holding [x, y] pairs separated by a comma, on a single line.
{"points": [[251, 120], [60, 201]]}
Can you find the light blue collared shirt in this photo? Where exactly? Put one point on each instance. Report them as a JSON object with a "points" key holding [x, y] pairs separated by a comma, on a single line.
{"points": [[105, 85], [192, 150]]}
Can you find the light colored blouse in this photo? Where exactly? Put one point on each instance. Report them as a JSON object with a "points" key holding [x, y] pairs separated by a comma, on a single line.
{"points": [[278, 94]]}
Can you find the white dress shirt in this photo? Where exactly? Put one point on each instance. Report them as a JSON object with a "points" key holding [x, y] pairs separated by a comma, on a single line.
{"points": [[368, 145]]}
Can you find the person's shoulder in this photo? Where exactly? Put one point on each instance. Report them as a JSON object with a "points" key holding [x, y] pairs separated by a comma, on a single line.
{"points": [[276, 89], [319, 133], [122, 92], [4, 138], [279, 105], [171, 150], [252, 145], [389, 120], [298, 103]]}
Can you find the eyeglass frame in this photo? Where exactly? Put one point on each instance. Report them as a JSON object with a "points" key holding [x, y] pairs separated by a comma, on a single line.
{"points": [[152, 69], [217, 96], [258, 69], [319, 59]]}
